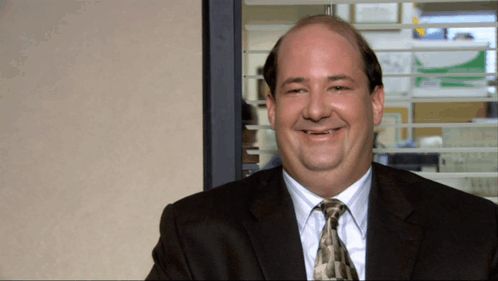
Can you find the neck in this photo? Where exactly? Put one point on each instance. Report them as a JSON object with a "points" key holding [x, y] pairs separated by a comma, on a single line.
{"points": [[327, 184]]}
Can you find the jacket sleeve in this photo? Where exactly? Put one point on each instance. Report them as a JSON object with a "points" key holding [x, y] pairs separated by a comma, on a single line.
{"points": [[494, 262], [170, 262]]}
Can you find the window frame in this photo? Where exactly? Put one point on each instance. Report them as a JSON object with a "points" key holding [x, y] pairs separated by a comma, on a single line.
{"points": [[222, 91]]}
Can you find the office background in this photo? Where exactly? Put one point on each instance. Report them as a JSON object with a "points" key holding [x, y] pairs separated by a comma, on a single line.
{"points": [[100, 127], [439, 70]]}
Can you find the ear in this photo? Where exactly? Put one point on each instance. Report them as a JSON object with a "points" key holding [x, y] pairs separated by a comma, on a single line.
{"points": [[377, 99], [270, 107]]}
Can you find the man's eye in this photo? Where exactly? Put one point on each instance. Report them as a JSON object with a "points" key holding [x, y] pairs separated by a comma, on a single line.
{"points": [[339, 88], [296, 91]]}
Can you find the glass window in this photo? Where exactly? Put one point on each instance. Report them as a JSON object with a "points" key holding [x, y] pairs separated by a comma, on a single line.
{"points": [[439, 65]]}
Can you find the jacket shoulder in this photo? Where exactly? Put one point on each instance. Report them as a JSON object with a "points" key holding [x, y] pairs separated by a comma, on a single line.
{"points": [[425, 192], [230, 198]]}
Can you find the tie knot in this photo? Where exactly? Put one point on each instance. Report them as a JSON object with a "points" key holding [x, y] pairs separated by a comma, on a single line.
{"points": [[333, 209]]}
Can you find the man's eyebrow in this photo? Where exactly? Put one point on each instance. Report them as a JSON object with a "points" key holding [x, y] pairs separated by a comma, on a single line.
{"points": [[340, 77], [293, 80], [329, 78]]}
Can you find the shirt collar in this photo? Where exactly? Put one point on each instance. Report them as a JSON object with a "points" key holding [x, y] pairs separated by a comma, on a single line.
{"points": [[355, 197]]}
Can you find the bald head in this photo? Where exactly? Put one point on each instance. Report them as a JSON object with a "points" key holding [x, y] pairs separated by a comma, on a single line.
{"points": [[371, 65]]}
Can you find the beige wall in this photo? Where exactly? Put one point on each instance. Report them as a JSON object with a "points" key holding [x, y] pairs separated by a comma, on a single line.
{"points": [[100, 127]]}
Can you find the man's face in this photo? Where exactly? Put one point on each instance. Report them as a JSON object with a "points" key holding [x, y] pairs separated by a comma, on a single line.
{"points": [[323, 112]]}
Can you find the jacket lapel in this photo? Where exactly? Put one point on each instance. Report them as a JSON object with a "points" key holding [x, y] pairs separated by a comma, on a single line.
{"points": [[394, 234], [274, 232]]}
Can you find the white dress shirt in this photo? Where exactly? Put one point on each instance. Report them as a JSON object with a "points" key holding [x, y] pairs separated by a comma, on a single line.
{"points": [[352, 226]]}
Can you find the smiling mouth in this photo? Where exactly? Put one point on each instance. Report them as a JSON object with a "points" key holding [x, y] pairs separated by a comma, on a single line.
{"points": [[325, 132]]}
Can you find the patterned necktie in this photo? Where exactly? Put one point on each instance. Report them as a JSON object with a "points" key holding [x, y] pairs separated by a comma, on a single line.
{"points": [[332, 260]]}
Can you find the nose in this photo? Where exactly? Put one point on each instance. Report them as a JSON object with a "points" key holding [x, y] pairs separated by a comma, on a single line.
{"points": [[316, 108]]}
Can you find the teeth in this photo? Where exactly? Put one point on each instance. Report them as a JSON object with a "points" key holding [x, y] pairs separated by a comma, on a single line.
{"points": [[319, 133]]}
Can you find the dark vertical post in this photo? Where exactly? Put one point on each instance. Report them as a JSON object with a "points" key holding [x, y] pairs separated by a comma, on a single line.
{"points": [[222, 74]]}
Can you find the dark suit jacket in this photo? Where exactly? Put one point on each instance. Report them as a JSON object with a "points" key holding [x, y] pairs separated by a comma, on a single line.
{"points": [[417, 229]]}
